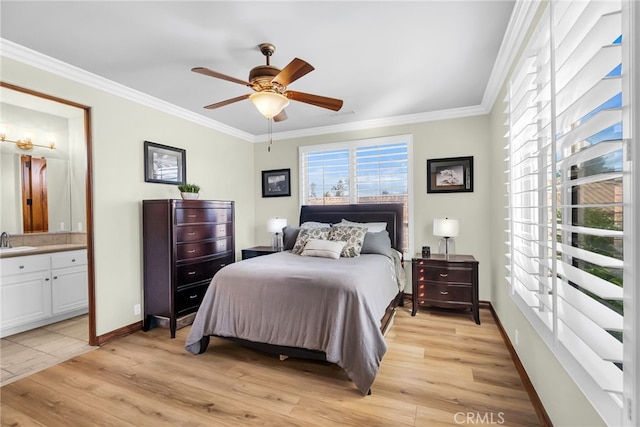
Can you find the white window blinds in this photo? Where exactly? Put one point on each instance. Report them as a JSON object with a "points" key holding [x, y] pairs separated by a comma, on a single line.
{"points": [[353, 172], [566, 174]]}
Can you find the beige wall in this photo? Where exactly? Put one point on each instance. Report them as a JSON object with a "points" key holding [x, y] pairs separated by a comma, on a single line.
{"points": [[445, 138], [221, 164]]}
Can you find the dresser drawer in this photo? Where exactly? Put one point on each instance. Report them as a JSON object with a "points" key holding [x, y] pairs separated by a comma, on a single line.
{"points": [[200, 271], [188, 299], [187, 251], [193, 233], [196, 215], [445, 274]]}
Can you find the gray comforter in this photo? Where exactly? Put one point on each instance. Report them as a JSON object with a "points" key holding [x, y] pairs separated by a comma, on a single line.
{"points": [[334, 306]]}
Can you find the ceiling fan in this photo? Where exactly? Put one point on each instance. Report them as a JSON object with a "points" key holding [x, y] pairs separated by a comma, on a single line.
{"points": [[270, 85]]}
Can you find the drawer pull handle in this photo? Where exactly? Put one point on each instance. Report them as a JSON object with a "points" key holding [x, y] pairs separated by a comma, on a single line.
{"points": [[191, 273], [444, 293], [191, 233], [46, 279], [73, 260], [55, 277], [191, 251], [193, 296], [21, 267], [443, 275]]}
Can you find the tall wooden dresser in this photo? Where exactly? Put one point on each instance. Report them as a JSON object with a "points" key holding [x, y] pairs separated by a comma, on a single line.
{"points": [[185, 242]]}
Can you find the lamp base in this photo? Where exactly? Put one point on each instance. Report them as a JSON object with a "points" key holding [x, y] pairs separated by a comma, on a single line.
{"points": [[446, 246], [277, 243]]}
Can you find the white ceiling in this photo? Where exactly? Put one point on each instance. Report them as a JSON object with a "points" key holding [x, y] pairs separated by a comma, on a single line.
{"points": [[388, 60]]}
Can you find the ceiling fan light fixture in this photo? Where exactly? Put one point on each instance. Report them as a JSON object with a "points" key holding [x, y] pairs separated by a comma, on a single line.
{"points": [[270, 104]]}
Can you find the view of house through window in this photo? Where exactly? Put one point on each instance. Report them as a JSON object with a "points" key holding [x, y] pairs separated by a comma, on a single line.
{"points": [[356, 172]]}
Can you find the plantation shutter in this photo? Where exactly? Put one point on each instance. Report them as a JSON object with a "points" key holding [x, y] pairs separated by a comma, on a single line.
{"points": [[566, 172]]}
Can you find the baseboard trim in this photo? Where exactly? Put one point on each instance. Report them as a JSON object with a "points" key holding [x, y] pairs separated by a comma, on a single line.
{"points": [[119, 333], [526, 381]]}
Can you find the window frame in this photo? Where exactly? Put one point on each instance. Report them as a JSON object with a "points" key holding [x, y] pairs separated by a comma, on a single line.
{"points": [[351, 146]]}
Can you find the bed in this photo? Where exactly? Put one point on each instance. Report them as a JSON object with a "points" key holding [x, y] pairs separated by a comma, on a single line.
{"points": [[312, 307]]}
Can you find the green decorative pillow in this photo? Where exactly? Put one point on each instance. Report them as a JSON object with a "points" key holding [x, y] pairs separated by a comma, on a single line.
{"points": [[306, 234], [354, 236]]}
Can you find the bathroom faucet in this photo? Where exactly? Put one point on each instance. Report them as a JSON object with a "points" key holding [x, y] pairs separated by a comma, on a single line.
{"points": [[4, 240]]}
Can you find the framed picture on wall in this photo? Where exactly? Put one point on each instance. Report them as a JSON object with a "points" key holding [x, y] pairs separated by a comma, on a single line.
{"points": [[450, 175], [276, 183], [164, 164]]}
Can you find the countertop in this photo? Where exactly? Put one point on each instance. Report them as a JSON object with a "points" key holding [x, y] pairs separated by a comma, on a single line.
{"points": [[45, 249]]}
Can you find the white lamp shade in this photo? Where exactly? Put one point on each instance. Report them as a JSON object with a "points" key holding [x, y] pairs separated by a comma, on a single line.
{"points": [[275, 225], [446, 227], [269, 103]]}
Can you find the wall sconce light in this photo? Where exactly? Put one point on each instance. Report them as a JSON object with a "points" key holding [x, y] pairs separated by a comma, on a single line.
{"points": [[25, 143], [446, 228], [275, 225]]}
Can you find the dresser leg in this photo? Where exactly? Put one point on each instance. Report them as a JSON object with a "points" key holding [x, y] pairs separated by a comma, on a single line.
{"points": [[414, 306], [173, 325], [476, 315]]}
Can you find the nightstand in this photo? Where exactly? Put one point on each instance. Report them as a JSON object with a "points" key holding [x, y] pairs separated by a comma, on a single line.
{"points": [[445, 281], [257, 251]]}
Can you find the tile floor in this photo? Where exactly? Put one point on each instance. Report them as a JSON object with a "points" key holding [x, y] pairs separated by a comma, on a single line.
{"points": [[29, 352]]}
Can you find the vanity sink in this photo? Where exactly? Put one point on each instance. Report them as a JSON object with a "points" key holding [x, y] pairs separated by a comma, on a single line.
{"points": [[17, 249]]}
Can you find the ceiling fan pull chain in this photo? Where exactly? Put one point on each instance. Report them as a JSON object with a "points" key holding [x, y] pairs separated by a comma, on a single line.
{"points": [[270, 127]]}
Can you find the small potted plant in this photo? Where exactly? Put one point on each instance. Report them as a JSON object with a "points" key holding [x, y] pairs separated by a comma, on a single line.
{"points": [[189, 191]]}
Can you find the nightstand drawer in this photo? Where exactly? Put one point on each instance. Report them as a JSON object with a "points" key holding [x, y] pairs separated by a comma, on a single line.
{"points": [[189, 298], [445, 293], [446, 274]]}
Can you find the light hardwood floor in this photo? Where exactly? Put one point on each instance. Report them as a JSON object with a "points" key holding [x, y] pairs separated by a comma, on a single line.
{"points": [[440, 369]]}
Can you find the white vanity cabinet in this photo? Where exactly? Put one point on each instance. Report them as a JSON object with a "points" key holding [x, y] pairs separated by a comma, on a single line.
{"points": [[25, 291], [36, 290]]}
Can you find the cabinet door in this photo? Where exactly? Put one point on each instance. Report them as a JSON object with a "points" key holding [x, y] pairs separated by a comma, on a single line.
{"points": [[68, 289], [25, 298]]}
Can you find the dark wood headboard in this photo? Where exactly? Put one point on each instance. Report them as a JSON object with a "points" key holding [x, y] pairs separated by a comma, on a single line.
{"points": [[392, 214]]}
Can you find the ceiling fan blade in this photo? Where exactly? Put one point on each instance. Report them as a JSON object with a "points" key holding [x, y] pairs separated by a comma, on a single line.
{"points": [[282, 115], [227, 102], [211, 73], [319, 101], [292, 72]]}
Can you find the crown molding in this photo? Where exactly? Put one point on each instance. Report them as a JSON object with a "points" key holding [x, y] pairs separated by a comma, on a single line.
{"points": [[521, 18], [408, 119], [38, 60]]}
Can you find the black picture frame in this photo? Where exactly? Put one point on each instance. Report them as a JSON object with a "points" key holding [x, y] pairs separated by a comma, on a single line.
{"points": [[276, 183], [450, 175], [164, 164]]}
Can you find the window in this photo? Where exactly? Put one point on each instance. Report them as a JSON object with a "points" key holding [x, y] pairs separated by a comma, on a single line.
{"points": [[567, 213], [363, 171]]}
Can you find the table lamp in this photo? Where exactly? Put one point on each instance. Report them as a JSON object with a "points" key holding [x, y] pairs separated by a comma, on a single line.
{"points": [[446, 228], [275, 225]]}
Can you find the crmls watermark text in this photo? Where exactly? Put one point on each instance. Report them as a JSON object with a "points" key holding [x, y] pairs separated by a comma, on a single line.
{"points": [[479, 418]]}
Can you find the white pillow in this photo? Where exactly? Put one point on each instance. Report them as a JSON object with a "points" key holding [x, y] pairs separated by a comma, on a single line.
{"points": [[372, 227], [323, 248], [314, 224]]}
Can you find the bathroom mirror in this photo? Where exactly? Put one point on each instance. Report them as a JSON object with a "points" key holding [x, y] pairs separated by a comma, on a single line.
{"points": [[43, 121]]}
